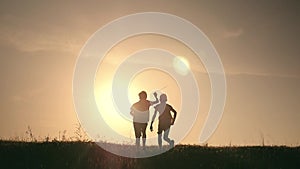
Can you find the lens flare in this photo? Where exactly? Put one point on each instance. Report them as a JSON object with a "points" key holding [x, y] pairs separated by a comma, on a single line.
{"points": [[181, 65]]}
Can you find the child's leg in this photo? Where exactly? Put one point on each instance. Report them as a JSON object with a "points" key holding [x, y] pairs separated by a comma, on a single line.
{"points": [[137, 142], [159, 139], [166, 136], [137, 132], [143, 130], [167, 139]]}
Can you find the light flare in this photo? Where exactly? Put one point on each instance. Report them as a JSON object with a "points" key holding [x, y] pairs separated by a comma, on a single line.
{"points": [[181, 65]]}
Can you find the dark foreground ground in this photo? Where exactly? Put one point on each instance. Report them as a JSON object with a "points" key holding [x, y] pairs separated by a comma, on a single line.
{"points": [[73, 155]]}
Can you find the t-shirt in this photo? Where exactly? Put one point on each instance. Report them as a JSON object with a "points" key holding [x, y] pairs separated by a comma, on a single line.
{"points": [[140, 111], [164, 112]]}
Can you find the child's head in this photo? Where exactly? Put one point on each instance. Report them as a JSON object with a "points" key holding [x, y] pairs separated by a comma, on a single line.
{"points": [[163, 98], [143, 95]]}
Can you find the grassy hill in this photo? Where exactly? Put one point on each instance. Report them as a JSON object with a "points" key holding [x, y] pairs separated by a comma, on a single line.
{"points": [[88, 155]]}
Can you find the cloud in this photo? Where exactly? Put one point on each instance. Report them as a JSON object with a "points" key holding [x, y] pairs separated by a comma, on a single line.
{"points": [[29, 41], [39, 36], [233, 34], [28, 95], [275, 75]]}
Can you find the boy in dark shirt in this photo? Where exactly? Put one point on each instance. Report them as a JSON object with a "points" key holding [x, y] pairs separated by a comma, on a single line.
{"points": [[165, 120]]}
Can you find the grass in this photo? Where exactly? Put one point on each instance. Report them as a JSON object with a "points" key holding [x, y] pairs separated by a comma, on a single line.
{"points": [[88, 155]]}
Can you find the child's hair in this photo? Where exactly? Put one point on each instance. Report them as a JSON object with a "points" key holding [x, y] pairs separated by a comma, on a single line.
{"points": [[163, 98], [143, 95]]}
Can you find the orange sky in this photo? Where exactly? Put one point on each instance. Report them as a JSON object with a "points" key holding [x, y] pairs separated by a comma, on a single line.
{"points": [[257, 42]]}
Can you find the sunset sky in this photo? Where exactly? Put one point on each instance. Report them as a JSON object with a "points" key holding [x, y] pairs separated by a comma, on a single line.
{"points": [[257, 41]]}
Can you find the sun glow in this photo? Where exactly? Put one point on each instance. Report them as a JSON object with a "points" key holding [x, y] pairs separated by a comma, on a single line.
{"points": [[149, 80]]}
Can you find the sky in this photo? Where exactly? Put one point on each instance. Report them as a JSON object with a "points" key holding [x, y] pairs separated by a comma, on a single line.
{"points": [[257, 41]]}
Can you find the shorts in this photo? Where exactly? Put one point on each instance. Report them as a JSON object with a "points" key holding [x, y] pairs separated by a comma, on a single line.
{"points": [[163, 127], [140, 129]]}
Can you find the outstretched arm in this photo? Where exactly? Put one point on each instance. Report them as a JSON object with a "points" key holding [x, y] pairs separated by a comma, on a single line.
{"points": [[156, 99]]}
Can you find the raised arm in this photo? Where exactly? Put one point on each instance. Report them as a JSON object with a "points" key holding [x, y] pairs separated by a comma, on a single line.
{"points": [[156, 99]]}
